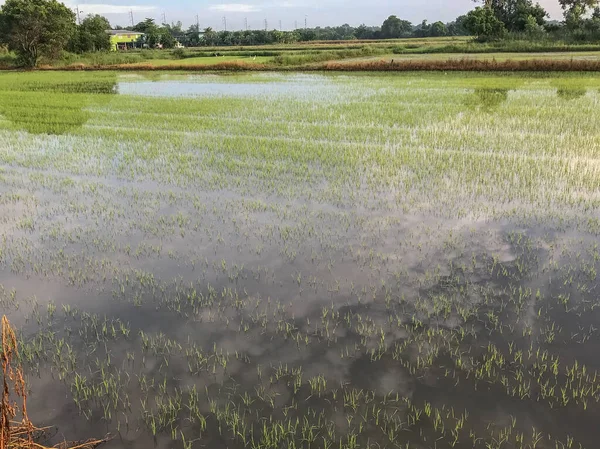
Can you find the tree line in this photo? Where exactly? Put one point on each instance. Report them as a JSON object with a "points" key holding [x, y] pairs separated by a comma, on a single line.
{"points": [[45, 28], [498, 19], [391, 28]]}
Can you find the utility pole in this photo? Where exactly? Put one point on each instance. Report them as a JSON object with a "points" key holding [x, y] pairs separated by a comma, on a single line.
{"points": [[266, 25], [225, 23], [131, 16], [198, 27], [246, 23], [305, 21], [164, 18], [78, 17]]}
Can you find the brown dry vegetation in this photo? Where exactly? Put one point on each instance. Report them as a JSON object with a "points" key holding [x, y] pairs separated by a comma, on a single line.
{"points": [[221, 66], [481, 65], [21, 434]]}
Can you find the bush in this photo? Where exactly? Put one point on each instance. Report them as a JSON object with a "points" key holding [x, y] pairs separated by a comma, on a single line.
{"points": [[179, 53], [7, 60]]}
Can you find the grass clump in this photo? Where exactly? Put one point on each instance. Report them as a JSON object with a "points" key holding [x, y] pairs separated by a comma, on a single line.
{"points": [[21, 434]]}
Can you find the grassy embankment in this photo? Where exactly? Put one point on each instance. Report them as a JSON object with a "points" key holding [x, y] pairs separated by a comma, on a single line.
{"points": [[406, 54]]}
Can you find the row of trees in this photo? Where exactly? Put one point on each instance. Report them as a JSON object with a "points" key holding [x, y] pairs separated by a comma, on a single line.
{"points": [[393, 27], [35, 28], [497, 18]]}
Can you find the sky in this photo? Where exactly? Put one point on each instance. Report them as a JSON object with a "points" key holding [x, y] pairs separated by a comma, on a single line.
{"points": [[286, 14]]}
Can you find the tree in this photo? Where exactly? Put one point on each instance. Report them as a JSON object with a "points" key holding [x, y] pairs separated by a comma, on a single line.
{"points": [[422, 30], [154, 34], [209, 36], [575, 10], [592, 25], [582, 5], [166, 39], [91, 35], [35, 28], [457, 28], [192, 36], [438, 29], [515, 14], [483, 23], [393, 27], [363, 32], [175, 30]]}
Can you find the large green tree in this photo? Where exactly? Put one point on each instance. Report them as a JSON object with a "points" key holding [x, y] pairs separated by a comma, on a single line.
{"points": [[36, 28], [575, 10], [393, 27], [457, 28], [150, 30], [154, 34], [91, 35], [438, 29], [516, 14], [483, 23]]}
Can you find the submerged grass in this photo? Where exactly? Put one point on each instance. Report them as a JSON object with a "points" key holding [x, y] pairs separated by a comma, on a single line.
{"points": [[300, 260]]}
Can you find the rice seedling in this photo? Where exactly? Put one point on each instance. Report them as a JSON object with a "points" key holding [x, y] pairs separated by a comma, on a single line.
{"points": [[305, 260]]}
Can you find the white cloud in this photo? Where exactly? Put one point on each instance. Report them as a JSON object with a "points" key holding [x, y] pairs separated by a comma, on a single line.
{"points": [[234, 7]]}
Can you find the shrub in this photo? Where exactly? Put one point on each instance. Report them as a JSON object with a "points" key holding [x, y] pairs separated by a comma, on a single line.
{"points": [[179, 53]]}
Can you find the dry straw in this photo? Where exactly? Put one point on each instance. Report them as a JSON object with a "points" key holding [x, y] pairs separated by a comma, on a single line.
{"points": [[21, 434]]}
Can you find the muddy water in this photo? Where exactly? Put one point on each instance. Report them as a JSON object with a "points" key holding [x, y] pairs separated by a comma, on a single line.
{"points": [[379, 274], [145, 307]]}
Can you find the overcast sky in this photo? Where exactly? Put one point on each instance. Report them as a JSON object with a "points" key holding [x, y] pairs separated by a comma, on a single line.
{"points": [[289, 12]]}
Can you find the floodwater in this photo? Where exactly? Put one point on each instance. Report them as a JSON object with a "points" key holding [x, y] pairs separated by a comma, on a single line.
{"points": [[298, 87], [175, 291]]}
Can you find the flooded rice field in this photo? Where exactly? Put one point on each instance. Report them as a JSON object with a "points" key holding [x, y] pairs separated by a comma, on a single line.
{"points": [[304, 261]]}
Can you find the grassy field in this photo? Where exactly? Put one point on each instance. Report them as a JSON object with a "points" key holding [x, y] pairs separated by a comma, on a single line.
{"points": [[302, 260], [305, 54], [499, 56], [208, 60]]}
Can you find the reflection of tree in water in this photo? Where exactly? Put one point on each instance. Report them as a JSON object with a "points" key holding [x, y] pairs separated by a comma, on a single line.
{"points": [[570, 93], [487, 98], [55, 107]]}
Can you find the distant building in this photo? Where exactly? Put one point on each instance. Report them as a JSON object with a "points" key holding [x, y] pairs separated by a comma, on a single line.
{"points": [[124, 39]]}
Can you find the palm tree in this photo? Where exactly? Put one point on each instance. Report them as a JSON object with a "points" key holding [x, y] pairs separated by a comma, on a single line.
{"points": [[209, 35]]}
